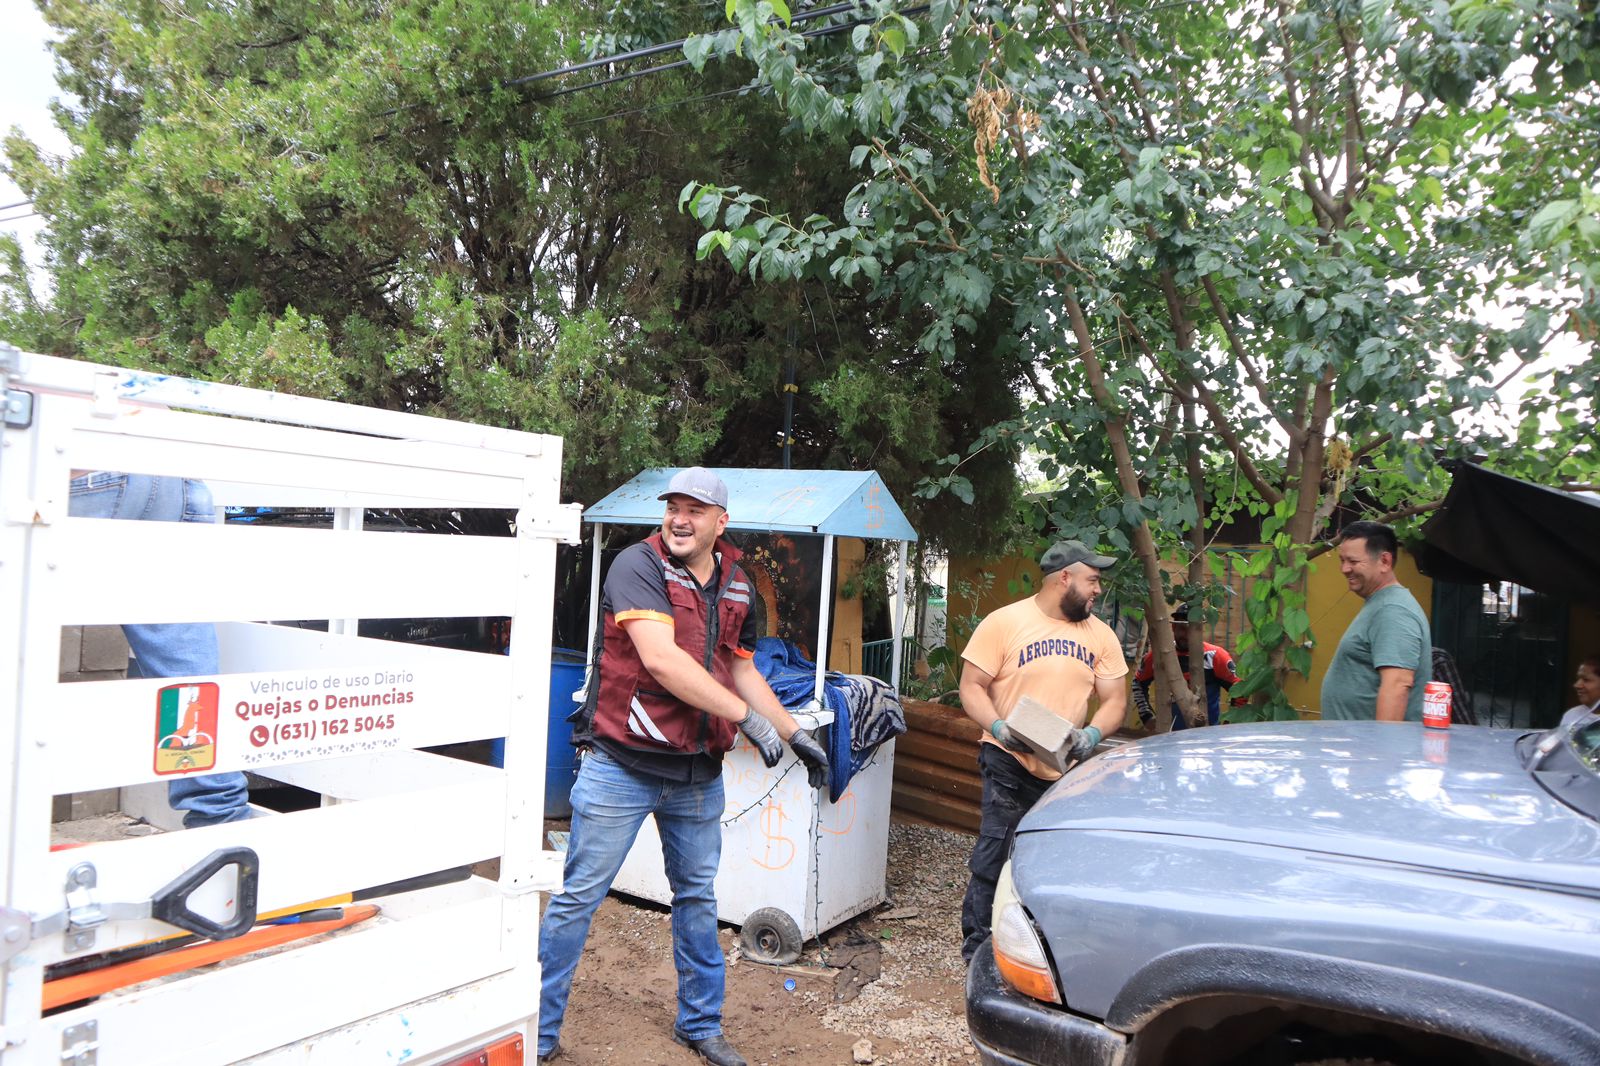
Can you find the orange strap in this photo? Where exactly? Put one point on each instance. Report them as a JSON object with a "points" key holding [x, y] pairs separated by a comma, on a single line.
{"points": [[110, 978]]}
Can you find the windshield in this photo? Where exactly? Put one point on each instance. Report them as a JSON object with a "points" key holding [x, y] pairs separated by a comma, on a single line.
{"points": [[1566, 762], [1586, 743]]}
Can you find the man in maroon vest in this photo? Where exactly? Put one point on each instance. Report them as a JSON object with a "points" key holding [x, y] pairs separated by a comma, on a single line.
{"points": [[677, 683]]}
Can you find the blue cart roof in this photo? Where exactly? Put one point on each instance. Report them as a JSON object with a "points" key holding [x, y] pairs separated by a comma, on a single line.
{"points": [[846, 503]]}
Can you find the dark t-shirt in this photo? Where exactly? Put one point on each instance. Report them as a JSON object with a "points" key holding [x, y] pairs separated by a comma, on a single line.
{"points": [[636, 588]]}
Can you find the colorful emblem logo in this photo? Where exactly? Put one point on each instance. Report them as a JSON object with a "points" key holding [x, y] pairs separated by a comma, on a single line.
{"points": [[186, 728]]}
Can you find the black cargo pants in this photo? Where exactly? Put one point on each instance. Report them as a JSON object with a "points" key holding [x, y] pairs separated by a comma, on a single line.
{"points": [[1009, 792]]}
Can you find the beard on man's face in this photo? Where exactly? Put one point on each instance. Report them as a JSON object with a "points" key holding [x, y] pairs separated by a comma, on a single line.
{"points": [[1074, 605]]}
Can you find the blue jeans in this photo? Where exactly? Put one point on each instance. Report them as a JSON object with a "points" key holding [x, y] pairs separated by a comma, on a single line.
{"points": [[1009, 792], [185, 649], [609, 803], [1213, 710]]}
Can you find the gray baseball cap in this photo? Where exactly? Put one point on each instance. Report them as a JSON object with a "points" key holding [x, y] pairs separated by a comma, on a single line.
{"points": [[1063, 553], [699, 483]]}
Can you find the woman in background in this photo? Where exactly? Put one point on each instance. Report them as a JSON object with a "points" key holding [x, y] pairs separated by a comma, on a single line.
{"points": [[1588, 684]]}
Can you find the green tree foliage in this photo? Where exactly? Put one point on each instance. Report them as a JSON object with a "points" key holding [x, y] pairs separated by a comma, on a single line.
{"points": [[1249, 246], [374, 202]]}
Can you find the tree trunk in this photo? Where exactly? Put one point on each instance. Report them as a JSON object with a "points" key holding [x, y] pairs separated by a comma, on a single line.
{"points": [[1197, 560], [1169, 677]]}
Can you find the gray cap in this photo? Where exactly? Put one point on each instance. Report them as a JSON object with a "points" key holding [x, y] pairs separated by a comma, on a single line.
{"points": [[1063, 553], [700, 483]]}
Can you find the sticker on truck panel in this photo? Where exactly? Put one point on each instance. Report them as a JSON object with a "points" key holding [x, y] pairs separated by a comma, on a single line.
{"points": [[186, 728]]}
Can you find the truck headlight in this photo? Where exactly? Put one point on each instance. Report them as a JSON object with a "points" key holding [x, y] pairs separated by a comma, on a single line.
{"points": [[1018, 951]]}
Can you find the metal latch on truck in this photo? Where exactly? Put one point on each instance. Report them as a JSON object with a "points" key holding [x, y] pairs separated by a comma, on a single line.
{"points": [[83, 915]]}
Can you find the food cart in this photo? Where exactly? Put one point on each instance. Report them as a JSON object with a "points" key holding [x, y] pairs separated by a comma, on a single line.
{"points": [[794, 863]]}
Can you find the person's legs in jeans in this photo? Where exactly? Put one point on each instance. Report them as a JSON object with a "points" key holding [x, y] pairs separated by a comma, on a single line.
{"points": [[1009, 792], [185, 649], [609, 803], [690, 821]]}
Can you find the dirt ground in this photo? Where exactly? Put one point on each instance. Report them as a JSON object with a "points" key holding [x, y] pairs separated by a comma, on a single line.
{"points": [[624, 998]]}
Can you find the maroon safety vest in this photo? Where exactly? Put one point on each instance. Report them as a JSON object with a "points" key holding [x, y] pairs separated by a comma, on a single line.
{"points": [[634, 709]]}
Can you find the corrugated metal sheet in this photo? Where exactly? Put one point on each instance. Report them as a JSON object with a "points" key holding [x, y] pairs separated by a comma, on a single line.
{"points": [[846, 503]]}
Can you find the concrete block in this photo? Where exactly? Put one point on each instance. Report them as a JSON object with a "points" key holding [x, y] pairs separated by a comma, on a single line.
{"points": [[103, 649], [149, 803], [71, 649], [89, 804], [1046, 733], [76, 805]]}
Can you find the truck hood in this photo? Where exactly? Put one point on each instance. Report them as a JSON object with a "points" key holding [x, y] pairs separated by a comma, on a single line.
{"points": [[1455, 800]]}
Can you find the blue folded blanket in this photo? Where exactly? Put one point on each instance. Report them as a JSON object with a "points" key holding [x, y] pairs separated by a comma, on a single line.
{"points": [[866, 711]]}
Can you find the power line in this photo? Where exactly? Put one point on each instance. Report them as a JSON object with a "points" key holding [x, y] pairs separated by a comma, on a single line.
{"points": [[643, 53], [673, 103], [826, 31], [657, 49], [763, 88]]}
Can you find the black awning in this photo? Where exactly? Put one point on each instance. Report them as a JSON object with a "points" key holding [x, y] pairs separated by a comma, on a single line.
{"points": [[1497, 528]]}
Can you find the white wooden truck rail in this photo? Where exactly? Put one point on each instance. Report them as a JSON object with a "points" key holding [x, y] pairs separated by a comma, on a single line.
{"points": [[441, 970]]}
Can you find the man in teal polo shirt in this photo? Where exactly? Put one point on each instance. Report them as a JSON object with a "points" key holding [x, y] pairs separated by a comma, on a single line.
{"points": [[1385, 658]]}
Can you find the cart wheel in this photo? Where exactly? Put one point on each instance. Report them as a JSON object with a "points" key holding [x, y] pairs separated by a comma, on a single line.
{"points": [[770, 936]]}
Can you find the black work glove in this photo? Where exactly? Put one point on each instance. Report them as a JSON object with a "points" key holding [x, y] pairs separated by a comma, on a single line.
{"points": [[805, 745], [762, 735], [1084, 741], [1008, 740]]}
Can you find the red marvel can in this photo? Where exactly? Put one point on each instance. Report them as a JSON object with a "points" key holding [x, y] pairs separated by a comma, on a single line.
{"points": [[1436, 705]]}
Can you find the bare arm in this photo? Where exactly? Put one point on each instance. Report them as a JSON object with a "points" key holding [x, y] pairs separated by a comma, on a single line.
{"points": [[1113, 695], [975, 698], [755, 691], [1394, 692]]}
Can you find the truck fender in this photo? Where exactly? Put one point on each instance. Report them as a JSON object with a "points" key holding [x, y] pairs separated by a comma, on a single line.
{"points": [[1426, 1002]]}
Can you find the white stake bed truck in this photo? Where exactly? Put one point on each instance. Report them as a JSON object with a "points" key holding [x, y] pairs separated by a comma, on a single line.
{"points": [[441, 975]]}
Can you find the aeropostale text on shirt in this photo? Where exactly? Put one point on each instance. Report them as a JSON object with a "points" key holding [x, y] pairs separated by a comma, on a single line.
{"points": [[1056, 646]]}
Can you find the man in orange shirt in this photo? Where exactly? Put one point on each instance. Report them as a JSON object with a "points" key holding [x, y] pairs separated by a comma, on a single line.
{"points": [[1050, 647]]}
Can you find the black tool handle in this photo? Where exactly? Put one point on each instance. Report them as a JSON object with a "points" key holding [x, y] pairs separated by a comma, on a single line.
{"points": [[171, 904]]}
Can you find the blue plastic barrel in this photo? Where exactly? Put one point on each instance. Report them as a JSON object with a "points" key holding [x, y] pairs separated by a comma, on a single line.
{"points": [[561, 764]]}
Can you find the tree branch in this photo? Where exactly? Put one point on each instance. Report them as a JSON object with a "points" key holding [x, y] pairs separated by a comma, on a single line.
{"points": [[1505, 379], [1300, 524], [1229, 437], [906, 180], [291, 39], [1355, 136], [1197, 539], [1143, 99], [1237, 347], [1399, 132], [1311, 178], [1098, 89], [1393, 516], [1144, 544]]}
